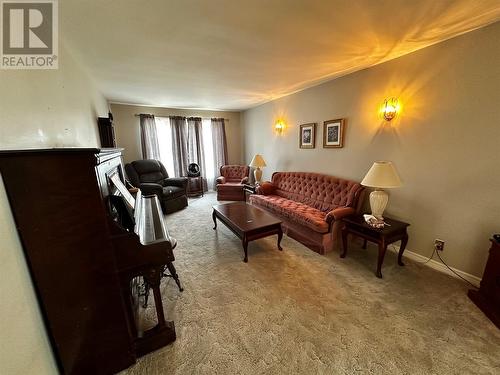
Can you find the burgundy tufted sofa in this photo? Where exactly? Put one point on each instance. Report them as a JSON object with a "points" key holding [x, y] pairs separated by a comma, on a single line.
{"points": [[310, 205], [230, 184]]}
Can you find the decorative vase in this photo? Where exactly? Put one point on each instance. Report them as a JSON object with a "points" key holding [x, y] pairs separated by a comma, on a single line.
{"points": [[257, 173], [378, 202]]}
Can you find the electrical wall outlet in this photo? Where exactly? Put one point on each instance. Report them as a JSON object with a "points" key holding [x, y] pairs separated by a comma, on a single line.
{"points": [[438, 245]]}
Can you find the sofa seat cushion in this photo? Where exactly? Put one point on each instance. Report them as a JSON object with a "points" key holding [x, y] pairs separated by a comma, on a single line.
{"points": [[230, 186], [293, 211], [171, 192], [155, 177]]}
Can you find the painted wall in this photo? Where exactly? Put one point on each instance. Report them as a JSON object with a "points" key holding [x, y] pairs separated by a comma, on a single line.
{"points": [[445, 144], [44, 108], [128, 135]]}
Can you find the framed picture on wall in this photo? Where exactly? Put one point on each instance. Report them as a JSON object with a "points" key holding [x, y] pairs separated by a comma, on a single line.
{"points": [[307, 135], [333, 133]]}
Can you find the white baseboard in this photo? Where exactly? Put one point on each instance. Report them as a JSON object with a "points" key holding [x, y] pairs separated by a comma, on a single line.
{"points": [[437, 265]]}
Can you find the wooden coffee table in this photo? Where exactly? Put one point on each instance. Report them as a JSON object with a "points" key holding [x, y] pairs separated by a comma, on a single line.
{"points": [[247, 222]]}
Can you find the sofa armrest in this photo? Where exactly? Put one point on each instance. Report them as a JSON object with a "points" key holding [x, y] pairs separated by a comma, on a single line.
{"points": [[150, 188], [220, 180], [338, 213], [244, 180], [266, 188], [181, 182]]}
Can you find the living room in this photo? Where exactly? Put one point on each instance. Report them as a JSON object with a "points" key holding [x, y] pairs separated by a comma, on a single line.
{"points": [[411, 84]]}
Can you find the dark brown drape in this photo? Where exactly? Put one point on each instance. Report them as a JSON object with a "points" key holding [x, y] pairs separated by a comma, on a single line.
{"points": [[195, 146], [220, 144], [149, 137], [179, 145]]}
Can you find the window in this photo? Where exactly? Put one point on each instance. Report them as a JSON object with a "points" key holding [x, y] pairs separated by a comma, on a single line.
{"points": [[166, 155]]}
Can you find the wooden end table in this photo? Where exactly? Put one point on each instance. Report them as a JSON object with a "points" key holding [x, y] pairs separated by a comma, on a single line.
{"points": [[395, 231], [249, 189], [247, 222], [195, 186]]}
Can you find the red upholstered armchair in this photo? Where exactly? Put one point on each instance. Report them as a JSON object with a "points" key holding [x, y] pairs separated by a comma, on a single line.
{"points": [[230, 183]]}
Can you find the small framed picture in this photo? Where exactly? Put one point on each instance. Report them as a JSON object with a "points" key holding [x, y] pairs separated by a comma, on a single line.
{"points": [[307, 135], [333, 133]]}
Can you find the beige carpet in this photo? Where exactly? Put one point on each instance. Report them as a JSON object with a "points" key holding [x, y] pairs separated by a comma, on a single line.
{"points": [[297, 312]]}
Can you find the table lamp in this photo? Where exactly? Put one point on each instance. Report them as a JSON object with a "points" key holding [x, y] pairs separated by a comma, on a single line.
{"points": [[258, 163], [382, 175]]}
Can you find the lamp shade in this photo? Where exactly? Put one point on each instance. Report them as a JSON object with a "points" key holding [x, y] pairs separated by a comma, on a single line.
{"points": [[382, 174], [258, 161]]}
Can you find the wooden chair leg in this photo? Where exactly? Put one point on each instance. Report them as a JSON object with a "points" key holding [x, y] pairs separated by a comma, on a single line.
{"points": [[171, 269]]}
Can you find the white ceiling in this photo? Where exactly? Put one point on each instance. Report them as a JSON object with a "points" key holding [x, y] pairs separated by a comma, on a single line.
{"points": [[235, 54]]}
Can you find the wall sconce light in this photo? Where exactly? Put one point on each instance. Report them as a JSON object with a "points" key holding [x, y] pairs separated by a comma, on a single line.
{"points": [[279, 127], [390, 108]]}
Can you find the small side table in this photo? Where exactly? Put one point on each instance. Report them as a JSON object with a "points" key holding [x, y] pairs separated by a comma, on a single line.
{"points": [[195, 186], [249, 189], [396, 231]]}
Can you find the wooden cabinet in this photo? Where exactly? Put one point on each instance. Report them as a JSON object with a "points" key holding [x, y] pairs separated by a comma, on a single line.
{"points": [[487, 298]]}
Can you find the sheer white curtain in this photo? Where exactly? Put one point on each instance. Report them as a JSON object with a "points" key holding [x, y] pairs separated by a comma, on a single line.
{"points": [[166, 153], [208, 150], [165, 143], [219, 143]]}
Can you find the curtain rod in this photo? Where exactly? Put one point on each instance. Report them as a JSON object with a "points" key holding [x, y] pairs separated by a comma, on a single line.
{"points": [[150, 114]]}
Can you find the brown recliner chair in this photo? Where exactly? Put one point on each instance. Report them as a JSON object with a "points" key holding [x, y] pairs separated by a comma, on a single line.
{"points": [[230, 184], [152, 178]]}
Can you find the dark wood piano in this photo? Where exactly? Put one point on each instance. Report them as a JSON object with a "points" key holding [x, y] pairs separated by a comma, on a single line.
{"points": [[86, 243]]}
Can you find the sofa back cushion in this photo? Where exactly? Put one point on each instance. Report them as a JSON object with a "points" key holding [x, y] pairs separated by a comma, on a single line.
{"points": [[148, 170], [234, 173], [317, 190]]}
